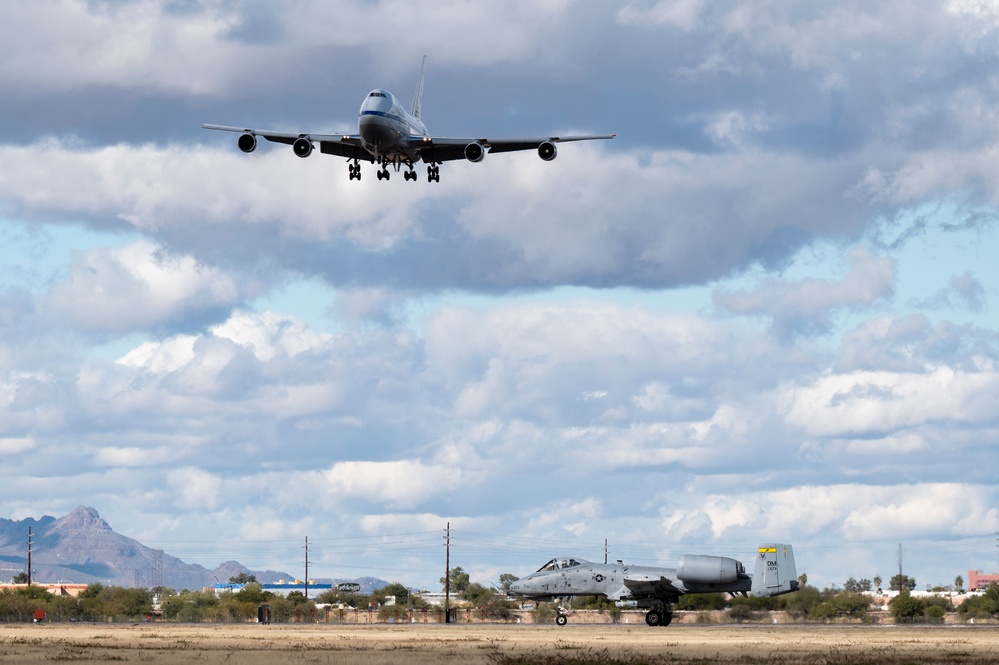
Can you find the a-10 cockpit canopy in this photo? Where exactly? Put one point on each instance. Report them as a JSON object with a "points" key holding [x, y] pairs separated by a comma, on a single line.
{"points": [[559, 563]]}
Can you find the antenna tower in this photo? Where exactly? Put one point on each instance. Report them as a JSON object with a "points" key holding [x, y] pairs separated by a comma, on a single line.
{"points": [[29, 556], [156, 576]]}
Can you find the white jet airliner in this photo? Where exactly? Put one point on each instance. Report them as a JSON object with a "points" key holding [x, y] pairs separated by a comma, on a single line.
{"points": [[387, 134]]}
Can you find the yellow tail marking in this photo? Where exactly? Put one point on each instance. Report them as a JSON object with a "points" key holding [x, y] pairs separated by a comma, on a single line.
{"points": [[767, 550]]}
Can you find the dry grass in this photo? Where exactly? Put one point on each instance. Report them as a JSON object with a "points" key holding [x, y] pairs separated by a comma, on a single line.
{"points": [[497, 644]]}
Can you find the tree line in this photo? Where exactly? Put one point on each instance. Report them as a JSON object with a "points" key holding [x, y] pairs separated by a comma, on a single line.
{"points": [[100, 603]]}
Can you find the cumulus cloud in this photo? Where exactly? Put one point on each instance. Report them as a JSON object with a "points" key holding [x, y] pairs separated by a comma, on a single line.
{"points": [[140, 286], [195, 489], [876, 402], [808, 305], [398, 484]]}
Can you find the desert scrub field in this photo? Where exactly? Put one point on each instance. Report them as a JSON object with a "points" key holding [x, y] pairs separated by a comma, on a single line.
{"points": [[249, 644]]}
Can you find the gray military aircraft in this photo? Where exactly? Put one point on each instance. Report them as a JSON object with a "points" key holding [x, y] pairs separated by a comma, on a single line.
{"points": [[658, 588]]}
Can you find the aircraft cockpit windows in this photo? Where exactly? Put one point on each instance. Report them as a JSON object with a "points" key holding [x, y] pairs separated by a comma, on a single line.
{"points": [[377, 94], [573, 562], [551, 565]]}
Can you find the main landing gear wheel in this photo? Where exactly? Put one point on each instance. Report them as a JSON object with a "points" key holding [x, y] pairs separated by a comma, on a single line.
{"points": [[384, 174], [409, 175], [561, 619], [354, 170], [433, 173], [657, 617]]}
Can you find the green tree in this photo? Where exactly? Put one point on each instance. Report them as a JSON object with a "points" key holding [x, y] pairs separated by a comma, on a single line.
{"points": [[459, 580], [253, 593], [92, 591], [243, 578], [905, 608], [701, 601], [877, 583], [398, 590], [493, 605], [959, 584], [908, 583], [984, 606], [505, 580], [20, 578]]}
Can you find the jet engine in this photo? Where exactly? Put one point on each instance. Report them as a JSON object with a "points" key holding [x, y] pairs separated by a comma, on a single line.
{"points": [[547, 151], [247, 142], [302, 147], [703, 569], [474, 152]]}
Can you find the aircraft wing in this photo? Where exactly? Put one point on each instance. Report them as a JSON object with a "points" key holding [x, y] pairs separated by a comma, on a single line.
{"points": [[445, 148], [652, 588], [342, 145]]}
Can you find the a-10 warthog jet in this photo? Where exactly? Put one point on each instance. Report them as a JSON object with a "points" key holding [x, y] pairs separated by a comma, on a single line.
{"points": [[657, 588]]}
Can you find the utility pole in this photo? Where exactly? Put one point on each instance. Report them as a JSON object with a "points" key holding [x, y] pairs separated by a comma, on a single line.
{"points": [[29, 556], [900, 568], [306, 567], [605, 550], [447, 574]]}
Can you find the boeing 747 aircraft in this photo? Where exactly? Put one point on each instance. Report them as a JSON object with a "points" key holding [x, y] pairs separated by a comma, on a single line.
{"points": [[659, 588], [388, 135]]}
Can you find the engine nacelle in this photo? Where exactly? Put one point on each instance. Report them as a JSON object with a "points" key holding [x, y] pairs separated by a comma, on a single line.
{"points": [[547, 151], [474, 152], [703, 569], [302, 147], [247, 142]]}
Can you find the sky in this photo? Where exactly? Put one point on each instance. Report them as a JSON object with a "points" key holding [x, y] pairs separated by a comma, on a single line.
{"points": [[765, 311]]}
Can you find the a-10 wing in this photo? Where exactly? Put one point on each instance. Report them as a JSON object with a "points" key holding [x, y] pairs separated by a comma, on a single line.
{"points": [[652, 588]]}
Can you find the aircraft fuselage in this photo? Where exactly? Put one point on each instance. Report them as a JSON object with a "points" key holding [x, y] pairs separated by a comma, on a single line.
{"points": [[386, 127]]}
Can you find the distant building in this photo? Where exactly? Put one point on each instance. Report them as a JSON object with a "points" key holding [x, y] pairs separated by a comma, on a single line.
{"points": [[59, 589], [979, 581]]}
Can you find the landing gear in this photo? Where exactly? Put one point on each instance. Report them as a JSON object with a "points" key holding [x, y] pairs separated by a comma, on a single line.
{"points": [[659, 616], [409, 175], [434, 175], [354, 170], [384, 174], [561, 619]]}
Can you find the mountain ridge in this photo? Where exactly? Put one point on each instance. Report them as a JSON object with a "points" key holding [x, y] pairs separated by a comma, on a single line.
{"points": [[81, 547]]}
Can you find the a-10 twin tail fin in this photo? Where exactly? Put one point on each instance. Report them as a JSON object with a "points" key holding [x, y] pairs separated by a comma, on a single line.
{"points": [[775, 572]]}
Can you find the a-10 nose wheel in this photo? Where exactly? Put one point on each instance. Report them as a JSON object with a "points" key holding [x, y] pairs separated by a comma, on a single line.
{"points": [[561, 619]]}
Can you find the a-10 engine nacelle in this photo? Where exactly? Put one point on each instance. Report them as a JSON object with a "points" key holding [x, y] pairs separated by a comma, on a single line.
{"points": [[703, 569], [247, 142], [302, 147], [474, 152], [547, 151]]}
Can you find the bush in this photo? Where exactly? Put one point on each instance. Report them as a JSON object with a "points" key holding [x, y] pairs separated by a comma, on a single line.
{"points": [[906, 609], [981, 607]]}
